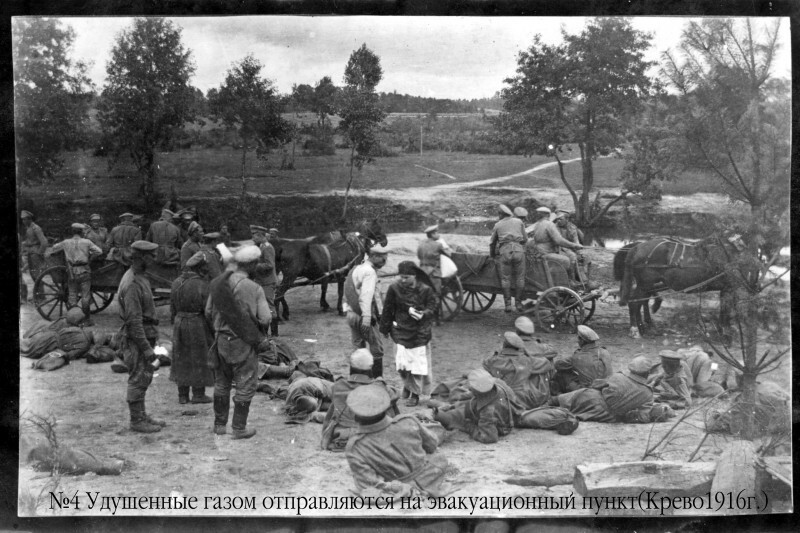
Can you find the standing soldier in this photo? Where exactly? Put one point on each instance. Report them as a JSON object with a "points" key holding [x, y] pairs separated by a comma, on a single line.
{"points": [[428, 253], [121, 238], [521, 213], [192, 244], [185, 218], [508, 239], [191, 335], [213, 260], [139, 334], [265, 271], [167, 236], [34, 245], [225, 235], [362, 303], [78, 252], [240, 314], [96, 232]]}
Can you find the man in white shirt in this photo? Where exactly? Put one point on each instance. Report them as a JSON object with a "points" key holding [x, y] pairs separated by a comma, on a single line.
{"points": [[362, 303]]}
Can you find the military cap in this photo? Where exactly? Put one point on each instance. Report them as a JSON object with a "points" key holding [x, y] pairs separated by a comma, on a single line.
{"points": [[211, 236], [194, 226], [512, 339], [504, 209], [74, 316], [78, 225], [273, 231], [669, 354], [429, 229], [187, 215], [640, 365], [543, 209], [144, 246], [258, 229], [560, 213], [306, 404], [126, 215], [199, 258], [94, 216], [524, 326], [26, 214], [361, 359], [166, 211], [247, 254], [480, 380], [586, 333], [368, 400], [379, 250], [520, 212]]}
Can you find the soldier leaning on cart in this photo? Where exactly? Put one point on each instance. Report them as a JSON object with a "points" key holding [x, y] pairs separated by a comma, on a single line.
{"points": [[78, 252], [508, 239], [33, 245]]}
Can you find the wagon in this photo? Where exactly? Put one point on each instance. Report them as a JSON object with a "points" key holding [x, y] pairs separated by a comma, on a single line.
{"points": [[51, 294], [556, 304]]}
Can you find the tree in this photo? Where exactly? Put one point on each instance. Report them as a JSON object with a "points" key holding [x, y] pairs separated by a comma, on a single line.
{"points": [[303, 96], [359, 108], [584, 91], [248, 102], [324, 102], [51, 96], [147, 98], [734, 123]]}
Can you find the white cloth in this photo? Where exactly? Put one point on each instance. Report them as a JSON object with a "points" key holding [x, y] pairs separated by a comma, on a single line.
{"points": [[365, 280], [415, 360]]}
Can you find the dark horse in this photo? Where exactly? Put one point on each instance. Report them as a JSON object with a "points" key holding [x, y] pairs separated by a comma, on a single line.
{"points": [[323, 258], [666, 264]]}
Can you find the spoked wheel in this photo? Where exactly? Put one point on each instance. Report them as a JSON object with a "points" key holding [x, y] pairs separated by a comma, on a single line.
{"points": [[589, 306], [477, 302], [100, 299], [560, 308], [50, 293], [450, 298]]}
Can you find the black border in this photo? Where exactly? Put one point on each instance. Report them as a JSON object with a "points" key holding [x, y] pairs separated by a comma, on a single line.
{"points": [[9, 314]]}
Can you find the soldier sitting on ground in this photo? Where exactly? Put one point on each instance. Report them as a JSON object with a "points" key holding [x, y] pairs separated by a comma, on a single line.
{"points": [[528, 376], [588, 363]]}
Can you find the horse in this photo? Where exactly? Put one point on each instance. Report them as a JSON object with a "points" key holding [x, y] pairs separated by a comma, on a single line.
{"points": [[619, 270], [662, 263], [322, 258]]}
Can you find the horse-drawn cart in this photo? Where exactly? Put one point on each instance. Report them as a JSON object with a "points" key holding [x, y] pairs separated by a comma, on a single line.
{"points": [[51, 293], [477, 284]]}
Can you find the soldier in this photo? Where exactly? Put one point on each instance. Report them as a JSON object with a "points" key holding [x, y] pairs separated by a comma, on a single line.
{"points": [[192, 244], [428, 253], [339, 424], [213, 259], [306, 397], [363, 306], [489, 415], [547, 242], [96, 232], [191, 335], [623, 397], [120, 239], [185, 219], [240, 315], [521, 213], [528, 376], [523, 326], [673, 381], [34, 244], [508, 238], [265, 271], [225, 235], [391, 455], [139, 334], [167, 236], [78, 253], [588, 363]]}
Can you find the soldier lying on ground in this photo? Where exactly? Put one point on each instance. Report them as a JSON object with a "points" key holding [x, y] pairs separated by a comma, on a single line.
{"points": [[63, 334]]}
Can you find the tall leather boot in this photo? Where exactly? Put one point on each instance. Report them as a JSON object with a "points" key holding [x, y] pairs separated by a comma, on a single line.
{"points": [[87, 317], [222, 406], [183, 394], [278, 372], [377, 367], [139, 421], [507, 298], [155, 421], [199, 395], [239, 425], [518, 300], [273, 327]]}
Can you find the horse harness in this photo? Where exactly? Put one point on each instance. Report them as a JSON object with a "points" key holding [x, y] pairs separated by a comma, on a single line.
{"points": [[671, 263], [355, 243]]}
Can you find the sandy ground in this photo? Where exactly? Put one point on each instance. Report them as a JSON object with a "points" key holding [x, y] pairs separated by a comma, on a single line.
{"points": [[284, 460]]}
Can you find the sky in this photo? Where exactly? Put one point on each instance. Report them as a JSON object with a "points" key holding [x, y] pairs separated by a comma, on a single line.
{"points": [[441, 57]]}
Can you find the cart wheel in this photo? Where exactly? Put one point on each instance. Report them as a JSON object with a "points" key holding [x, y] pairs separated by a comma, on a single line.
{"points": [[477, 302], [450, 298], [50, 292], [100, 299], [559, 308], [589, 305]]}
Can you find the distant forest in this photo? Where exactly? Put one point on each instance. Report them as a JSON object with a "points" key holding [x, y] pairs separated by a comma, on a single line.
{"points": [[405, 103]]}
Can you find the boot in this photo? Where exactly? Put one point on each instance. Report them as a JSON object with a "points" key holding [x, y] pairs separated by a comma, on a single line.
{"points": [[239, 425], [377, 367], [273, 327], [222, 405], [87, 320], [119, 366], [507, 298], [139, 421], [518, 300], [413, 400], [183, 395], [199, 395], [278, 372], [155, 421]]}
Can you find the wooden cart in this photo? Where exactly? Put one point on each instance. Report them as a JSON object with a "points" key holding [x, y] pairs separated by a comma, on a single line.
{"points": [[557, 304]]}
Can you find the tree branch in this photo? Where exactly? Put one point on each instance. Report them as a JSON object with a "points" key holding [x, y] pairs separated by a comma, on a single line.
{"points": [[605, 209]]}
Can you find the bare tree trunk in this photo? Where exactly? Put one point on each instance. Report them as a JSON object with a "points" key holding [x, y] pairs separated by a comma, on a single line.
{"points": [[244, 182], [349, 183], [566, 183]]}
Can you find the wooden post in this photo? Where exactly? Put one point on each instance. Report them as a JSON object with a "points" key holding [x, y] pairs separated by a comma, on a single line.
{"points": [[736, 475], [669, 478]]}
